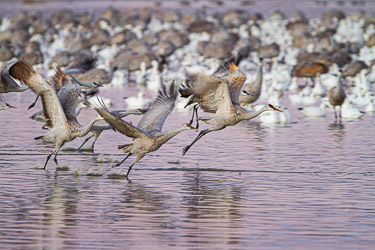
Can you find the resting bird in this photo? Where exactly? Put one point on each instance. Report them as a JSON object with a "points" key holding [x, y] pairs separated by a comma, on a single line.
{"points": [[58, 110], [147, 135]]}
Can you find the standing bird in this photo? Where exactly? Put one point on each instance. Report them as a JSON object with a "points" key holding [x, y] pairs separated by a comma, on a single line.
{"points": [[336, 96], [147, 136], [228, 112], [100, 126], [7, 85], [59, 111], [198, 86], [254, 88]]}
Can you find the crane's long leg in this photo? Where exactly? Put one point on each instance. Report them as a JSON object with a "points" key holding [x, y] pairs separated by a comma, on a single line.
{"points": [[200, 135], [97, 134], [86, 140], [195, 112], [340, 115], [334, 110], [118, 164], [57, 149], [131, 166], [48, 157], [33, 104]]}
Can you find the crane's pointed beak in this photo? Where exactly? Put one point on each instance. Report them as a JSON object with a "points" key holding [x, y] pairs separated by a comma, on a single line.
{"points": [[10, 106], [278, 109]]}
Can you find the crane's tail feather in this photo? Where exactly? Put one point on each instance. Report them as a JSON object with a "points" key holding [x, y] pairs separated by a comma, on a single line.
{"points": [[39, 137]]}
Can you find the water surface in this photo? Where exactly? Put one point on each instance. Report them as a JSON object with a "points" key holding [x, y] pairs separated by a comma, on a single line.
{"points": [[307, 184]]}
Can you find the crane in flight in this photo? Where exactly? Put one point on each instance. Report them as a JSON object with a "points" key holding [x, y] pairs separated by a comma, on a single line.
{"points": [[147, 135], [219, 95], [59, 109]]}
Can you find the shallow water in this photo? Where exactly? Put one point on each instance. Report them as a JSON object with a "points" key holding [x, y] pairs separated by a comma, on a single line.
{"points": [[307, 184]]}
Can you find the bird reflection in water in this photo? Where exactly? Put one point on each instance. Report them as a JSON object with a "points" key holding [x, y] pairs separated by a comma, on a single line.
{"points": [[211, 200], [338, 132]]}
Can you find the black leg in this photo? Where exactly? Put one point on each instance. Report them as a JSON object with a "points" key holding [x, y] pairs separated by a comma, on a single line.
{"points": [[200, 135], [340, 115], [88, 138], [55, 159], [118, 164], [334, 110], [33, 104], [48, 157], [196, 116], [129, 169]]}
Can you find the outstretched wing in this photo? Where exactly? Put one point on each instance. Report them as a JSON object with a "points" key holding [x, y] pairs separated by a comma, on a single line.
{"points": [[236, 79], [52, 108], [153, 120], [229, 66], [122, 126], [202, 89], [224, 103], [68, 97], [83, 66]]}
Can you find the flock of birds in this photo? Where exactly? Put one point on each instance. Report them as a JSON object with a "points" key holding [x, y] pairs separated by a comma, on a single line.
{"points": [[222, 64]]}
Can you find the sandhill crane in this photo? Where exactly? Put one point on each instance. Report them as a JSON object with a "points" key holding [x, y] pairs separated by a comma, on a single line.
{"points": [[59, 80], [228, 112], [100, 126], [7, 85], [147, 136], [254, 88], [81, 67], [336, 95], [198, 86], [59, 111]]}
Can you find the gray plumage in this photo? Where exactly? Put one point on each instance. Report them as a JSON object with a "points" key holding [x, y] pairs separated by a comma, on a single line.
{"points": [[63, 125], [8, 85], [100, 126], [227, 113], [147, 136], [254, 88], [201, 88], [336, 95]]}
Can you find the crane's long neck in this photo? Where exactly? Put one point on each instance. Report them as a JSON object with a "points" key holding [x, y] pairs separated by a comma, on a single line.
{"points": [[259, 78], [339, 84], [82, 131], [164, 137], [248, 115]]}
